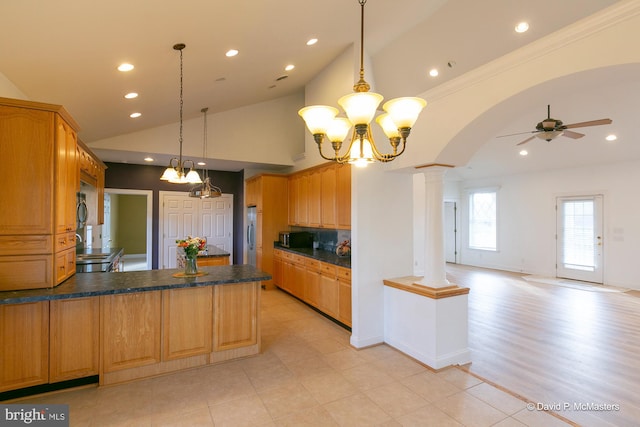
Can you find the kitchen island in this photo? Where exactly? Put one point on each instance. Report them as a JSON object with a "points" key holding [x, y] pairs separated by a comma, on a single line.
{"points": [[129, 325]]}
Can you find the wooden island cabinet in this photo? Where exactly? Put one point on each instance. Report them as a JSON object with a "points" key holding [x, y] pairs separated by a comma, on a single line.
{"points": [[127, 326]]}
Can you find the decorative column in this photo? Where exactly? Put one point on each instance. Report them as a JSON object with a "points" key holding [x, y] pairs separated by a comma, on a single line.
{"points": [[434, 258]]}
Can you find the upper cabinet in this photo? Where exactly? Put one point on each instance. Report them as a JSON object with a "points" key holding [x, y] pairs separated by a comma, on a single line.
{"points": [[321, 197], [91, 170]]}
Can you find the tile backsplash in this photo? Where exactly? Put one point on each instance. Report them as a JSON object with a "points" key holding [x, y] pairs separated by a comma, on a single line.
{"points": [[326, 239]]}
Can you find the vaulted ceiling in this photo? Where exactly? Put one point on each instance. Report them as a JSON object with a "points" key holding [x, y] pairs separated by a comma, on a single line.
{"points": [[66, 52]]}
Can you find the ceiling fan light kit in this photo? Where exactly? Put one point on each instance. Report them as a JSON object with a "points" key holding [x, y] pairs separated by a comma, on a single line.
{"points": [[549, 129], [360, 108]]}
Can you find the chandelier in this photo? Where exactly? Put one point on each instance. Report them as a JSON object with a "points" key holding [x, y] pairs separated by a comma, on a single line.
{"points": [[176, 171], [360, 107], [205, 190]]}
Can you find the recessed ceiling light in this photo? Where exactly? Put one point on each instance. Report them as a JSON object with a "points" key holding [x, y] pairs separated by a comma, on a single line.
{"points": [[522, 27], [135, 115], [131, 95], [434, 72], [231, 52], [289, 67], [311, 42], [524, 152], [611, 137], [201, 163], [148, 159], [125, 67]]}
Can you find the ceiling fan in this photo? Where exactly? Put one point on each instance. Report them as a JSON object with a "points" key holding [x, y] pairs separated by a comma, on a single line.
{"points": [[549, 128]]}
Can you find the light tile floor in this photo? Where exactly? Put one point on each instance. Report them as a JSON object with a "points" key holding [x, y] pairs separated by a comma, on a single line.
{"points": [[306, 375]]}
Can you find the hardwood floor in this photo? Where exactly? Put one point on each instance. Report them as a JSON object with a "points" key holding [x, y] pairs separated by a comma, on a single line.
{"points": [[554, 345]]}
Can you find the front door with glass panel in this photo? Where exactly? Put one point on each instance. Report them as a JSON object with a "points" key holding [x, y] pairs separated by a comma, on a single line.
{"points": [[579, 238]]}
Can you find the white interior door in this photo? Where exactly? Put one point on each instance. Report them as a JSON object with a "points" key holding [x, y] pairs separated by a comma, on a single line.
{"points": [[180, 219], [216, 217], [580, 238], [183, 216]]}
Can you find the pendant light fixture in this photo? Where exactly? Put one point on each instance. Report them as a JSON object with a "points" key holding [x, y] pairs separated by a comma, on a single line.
{"points": [[176, 173], [205, 190], [360, 107]]}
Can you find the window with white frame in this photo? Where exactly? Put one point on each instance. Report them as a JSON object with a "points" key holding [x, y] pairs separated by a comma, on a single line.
{"points": [[483, 220]]}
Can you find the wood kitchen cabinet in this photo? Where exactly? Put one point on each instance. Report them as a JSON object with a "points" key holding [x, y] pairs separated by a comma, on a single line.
{"points": [[74, 338], [24, 340], [269, 194], [236, 327], [320, 284], [92, 171], [41, 181], [320, 197], [131, 330], [188, 322]]}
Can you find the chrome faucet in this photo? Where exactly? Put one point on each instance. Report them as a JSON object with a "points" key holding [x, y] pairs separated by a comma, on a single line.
{"points": [[79, 237]]}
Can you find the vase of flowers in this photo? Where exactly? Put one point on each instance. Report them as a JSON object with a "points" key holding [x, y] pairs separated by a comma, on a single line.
{"points": [[191, 247]]}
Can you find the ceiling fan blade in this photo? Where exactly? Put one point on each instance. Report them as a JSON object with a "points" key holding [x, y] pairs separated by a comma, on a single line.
{"points": [[590, 123], [526, 140], [519, 133], [572, 135]]}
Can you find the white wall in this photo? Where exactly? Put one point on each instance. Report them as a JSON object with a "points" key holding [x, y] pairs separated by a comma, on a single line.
{"points": [[263, 133], [527, 220], [381, 212], [9, 90]]}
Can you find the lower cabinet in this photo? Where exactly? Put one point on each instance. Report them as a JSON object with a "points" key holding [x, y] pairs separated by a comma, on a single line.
{"points": [[74, 338], [131, 330], [187, 317], [236, 325], [24, 344], [322, 285]]}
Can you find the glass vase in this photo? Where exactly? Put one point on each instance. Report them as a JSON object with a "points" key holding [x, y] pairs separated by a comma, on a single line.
{"points": [[190, 266]]}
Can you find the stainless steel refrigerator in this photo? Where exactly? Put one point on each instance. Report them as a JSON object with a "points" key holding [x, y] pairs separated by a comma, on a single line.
{"points": [[251, 235]]}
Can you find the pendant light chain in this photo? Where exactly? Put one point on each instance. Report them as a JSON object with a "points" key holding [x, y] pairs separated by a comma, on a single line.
{"points": [[181, 104]]}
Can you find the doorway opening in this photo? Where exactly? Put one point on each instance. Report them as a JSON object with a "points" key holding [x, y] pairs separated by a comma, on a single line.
{"points": [[128, 225]]}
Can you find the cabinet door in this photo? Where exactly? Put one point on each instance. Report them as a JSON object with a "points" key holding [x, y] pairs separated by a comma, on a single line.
{"points": [[236, 308], [24, 340], [66, 175], [26, 145], [328, 196], [213, 261], [343, 197], [292, 183], [344, 308], [315, 211], [131, 330], [278, 268], [74, 338], [297, 283], [303, 200], [329, 291], [312, 287], [187, 319], [65, 265]]}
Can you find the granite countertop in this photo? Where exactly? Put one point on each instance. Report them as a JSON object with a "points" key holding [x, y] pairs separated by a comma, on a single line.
{"points": [[214, 252], [96, 284], [319, 254]]}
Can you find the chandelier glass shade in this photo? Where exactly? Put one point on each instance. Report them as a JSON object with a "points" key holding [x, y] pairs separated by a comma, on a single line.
{"points": [[360, 108], [176, 172]]}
